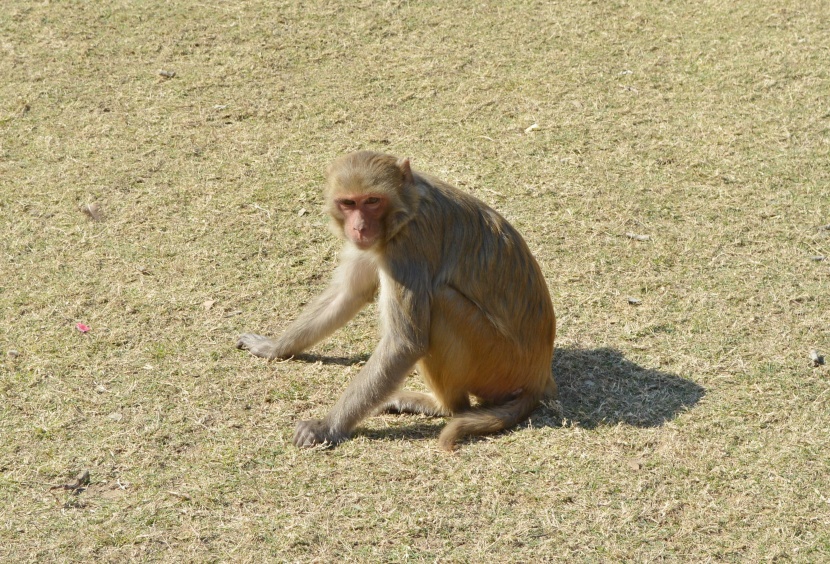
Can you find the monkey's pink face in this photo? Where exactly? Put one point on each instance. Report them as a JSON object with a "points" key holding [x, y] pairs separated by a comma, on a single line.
{"points": [[364, 216]]}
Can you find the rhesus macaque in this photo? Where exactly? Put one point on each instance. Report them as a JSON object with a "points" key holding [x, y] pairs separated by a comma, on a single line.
{"points": [[461, 297]]}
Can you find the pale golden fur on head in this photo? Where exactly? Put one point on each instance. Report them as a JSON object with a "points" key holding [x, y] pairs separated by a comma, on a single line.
{"points": [[366, 172]]}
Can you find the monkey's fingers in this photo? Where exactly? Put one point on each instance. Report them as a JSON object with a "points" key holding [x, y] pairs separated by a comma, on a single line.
{"points": [[247, 340], [256, 344], [315, 432], [309, 433]]}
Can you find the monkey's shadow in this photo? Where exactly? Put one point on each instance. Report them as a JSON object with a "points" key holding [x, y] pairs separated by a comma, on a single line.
{"points": [[601, 387], [596, 387]]}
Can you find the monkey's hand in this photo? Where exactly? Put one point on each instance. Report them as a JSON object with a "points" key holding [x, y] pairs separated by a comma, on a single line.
{"points": [[257, 345], [316, 432]]}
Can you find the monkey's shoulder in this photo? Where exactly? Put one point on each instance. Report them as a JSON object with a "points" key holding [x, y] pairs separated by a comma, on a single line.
{"points": [[441, 203]]}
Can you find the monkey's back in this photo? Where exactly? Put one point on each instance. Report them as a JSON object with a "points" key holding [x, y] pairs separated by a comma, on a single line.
{"points": [[482, 256]]}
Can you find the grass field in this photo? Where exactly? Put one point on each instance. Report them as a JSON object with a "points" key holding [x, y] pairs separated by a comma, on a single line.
{"points": [[671, 153]]}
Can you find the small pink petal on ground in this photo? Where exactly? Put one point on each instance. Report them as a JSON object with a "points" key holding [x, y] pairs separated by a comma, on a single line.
{"points": [[81, 327]]}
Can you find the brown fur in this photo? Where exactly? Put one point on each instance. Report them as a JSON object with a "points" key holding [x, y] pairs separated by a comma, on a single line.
{"points": [[461, 297]]}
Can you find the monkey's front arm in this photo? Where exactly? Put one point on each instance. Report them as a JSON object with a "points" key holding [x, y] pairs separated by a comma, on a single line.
{"points": [[352, 287], [380, 377]]}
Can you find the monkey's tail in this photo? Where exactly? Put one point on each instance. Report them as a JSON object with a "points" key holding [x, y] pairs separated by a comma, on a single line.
{"points": [[487, 420]]}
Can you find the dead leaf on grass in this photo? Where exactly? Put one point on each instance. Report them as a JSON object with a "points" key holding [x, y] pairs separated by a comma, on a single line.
{"points": [[92, 211], [818, 360], [637, 237], [634, 301], [167, 73], [208, 304]]}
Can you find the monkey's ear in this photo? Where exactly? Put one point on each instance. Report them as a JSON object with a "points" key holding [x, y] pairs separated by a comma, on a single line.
{"points": [[403, 164]]}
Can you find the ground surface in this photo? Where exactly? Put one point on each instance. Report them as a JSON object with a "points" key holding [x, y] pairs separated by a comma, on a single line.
{"points": [[670, 154]]}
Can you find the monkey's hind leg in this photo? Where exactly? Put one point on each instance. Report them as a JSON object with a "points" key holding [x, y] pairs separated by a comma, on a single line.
{"points": [[413, 402]]}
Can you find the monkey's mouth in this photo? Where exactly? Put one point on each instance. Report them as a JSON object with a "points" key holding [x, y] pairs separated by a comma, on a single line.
{"points": [[364, 240], [364, 243]]}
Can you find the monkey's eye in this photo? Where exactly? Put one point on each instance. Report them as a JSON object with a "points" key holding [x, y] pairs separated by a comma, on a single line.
{"points": [[372, 201], [347, 203]]}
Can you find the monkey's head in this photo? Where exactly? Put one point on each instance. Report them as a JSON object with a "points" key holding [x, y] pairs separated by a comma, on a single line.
{"points": [[369, 197]]}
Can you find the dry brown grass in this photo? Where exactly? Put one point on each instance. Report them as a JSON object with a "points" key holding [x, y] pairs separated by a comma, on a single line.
{"points": [[693, 426]]}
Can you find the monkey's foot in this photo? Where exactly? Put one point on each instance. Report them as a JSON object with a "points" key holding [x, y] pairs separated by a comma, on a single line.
{"points": [[413, 402], [257, 345], [316, 432]]}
